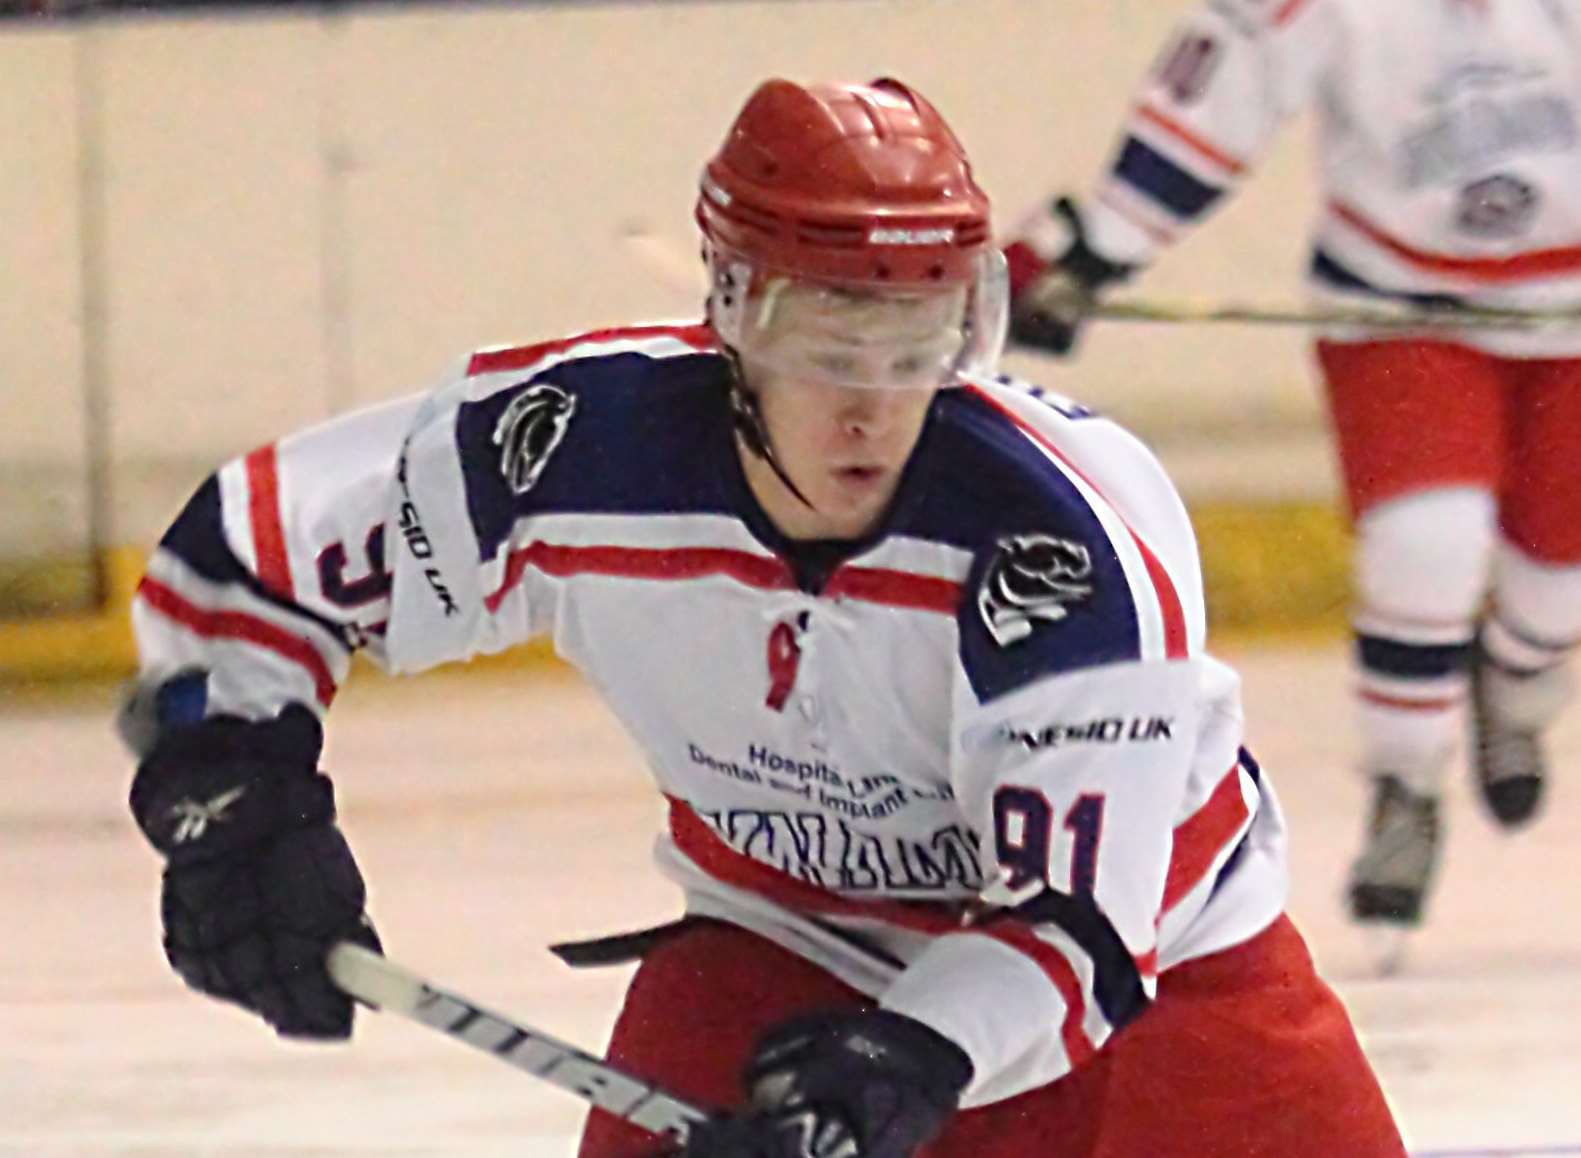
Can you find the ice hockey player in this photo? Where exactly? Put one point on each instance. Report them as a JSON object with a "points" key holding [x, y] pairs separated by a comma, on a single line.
{"points": [[973, 856], [1450, 161]]}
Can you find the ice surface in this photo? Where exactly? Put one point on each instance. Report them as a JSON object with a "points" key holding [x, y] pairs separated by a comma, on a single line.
{"points": [[496, 813]]}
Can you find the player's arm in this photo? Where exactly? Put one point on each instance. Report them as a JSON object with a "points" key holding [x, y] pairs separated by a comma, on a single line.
{"points": [[277, 569], [1229, 75], [1077, 783], [280, 566]]}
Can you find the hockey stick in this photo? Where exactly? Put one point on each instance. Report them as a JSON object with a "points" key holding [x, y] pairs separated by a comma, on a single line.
{"points": [[1446, 318], [682, 272], [383, 984]]}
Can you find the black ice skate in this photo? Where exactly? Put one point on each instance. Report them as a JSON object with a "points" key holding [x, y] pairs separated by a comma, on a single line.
{"points": [[1507, 758], [1390, 877]]}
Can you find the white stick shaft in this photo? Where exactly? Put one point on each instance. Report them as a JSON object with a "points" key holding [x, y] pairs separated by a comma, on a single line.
{"points": [[1379, 318], [380, 982]]}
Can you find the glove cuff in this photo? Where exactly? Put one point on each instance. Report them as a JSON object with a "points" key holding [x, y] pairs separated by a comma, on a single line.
{"points": [[1080, 260], [1024, 265], [944, 1067]]}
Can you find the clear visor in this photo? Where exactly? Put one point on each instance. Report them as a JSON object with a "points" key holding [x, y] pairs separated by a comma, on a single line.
{"points": [[873, 338], [824, 335]]}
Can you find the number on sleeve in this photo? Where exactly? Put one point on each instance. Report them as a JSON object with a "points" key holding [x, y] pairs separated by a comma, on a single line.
{"points": [[1189, 67], [1023, 837], [372, 586], [1085, 823], [1022, 834]]}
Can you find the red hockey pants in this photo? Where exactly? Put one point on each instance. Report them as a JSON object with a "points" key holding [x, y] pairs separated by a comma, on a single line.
{"points": [[1413, 415], [1244, 1053]]}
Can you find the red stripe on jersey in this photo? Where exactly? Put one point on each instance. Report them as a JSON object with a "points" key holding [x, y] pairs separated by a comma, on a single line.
{"points": [[240, 625], [1204, 148], [764, 571], [1147, 963], [1435, 704], [895, 589], [1202, 836], [707, 851], [1288, 12], [263, 512], [1513, 267], [699, 337], [770, 573], [1168, 599], [1057, 967]]}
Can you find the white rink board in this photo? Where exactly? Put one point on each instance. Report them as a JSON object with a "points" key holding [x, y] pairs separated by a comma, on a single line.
{"points": [[243, 221], [495, 814]]}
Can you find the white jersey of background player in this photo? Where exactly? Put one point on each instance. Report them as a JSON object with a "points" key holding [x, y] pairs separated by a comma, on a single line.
{"points": [[1449, 155], [919, 670]]}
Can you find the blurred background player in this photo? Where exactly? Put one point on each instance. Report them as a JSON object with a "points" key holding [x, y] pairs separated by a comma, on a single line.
{"points": [[1450, 156], [915, 653]]}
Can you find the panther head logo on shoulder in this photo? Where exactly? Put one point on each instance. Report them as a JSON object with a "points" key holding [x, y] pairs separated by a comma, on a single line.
{"points": [[1032, 578], [529, 431]]}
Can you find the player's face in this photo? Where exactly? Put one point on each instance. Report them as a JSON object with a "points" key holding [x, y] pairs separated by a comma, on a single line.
{"points": [[844, 383]]}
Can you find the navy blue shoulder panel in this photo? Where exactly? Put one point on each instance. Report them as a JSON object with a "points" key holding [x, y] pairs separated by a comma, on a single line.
{"points": [[1047, 592], [621, 433]]}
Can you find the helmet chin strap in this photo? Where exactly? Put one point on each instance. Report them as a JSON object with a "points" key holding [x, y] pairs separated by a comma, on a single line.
{"points": [[747, 418]]}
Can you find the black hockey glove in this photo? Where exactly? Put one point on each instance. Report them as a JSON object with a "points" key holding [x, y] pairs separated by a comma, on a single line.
{"points": [[1051, 300], [866, 1085], [258, 881]]}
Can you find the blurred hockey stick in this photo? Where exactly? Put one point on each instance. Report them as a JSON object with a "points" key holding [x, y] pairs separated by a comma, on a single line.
{"points": [[382, 983], [680, 271], [1375, 318]]}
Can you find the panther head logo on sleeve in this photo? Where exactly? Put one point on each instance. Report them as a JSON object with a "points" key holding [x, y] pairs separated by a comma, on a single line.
{"points": [[528, 432], [1031, 578]]}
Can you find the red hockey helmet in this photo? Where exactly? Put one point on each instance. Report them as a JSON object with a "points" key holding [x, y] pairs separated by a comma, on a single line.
{"points": [[855, 187], [858, 185]]}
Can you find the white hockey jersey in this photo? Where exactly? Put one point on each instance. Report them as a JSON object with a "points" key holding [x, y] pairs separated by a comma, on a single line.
{"points": [[1449, 142], [981, 768]]}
